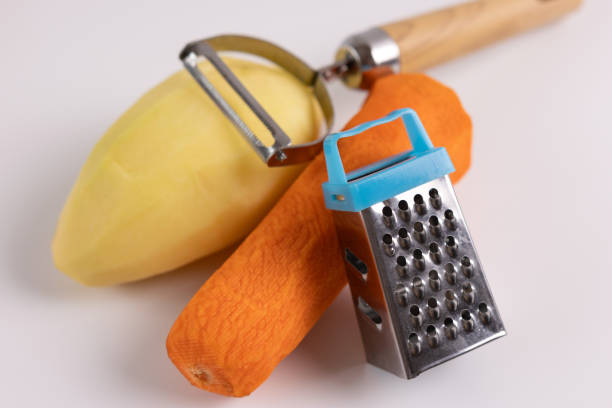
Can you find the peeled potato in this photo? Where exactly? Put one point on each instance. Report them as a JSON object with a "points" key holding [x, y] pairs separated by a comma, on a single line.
{"points": [[172, 180]]}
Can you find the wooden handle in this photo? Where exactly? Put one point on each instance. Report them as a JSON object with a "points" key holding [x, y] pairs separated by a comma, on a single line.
{"points": [[444, 34]]}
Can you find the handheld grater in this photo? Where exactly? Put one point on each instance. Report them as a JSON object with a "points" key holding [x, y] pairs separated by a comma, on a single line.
{"points": [[418, 287]]}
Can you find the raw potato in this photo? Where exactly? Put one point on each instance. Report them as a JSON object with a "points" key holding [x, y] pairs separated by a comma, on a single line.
{"points": [[172, 180]]}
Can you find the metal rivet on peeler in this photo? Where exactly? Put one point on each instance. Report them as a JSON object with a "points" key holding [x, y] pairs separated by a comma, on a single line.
{"points": [[415, 315], [388, 244], [404, 210], [484, 313], [434, 199], [432, 336], [449, 220], [434, 280], [402, 266], [451, 300], [414, 344], [450, 328], [450, 243], [468, 292], [388, 218], [419, 204], [418, 287], [466, 266], [401, 294], [417, 259], [404, 238], [434, 253], [467, 321], [419, 232], [434, 226], [433, 308], [451, 275]]}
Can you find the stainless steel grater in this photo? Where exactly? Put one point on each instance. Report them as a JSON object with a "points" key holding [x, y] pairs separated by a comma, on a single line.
{"points": [[418, 287]]}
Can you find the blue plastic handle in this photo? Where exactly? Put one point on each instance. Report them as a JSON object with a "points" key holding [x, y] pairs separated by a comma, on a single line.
{"points": [[412, 124]]}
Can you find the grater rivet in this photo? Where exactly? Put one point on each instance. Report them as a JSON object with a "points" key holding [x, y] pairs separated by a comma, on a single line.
{"points": [[401, 294], [433, 308], [449, 220], [417, 259], [416, 316], [434, 226], [451, 275], [404, 210], [402, 266], [484, 312], [434, 199], [434, 253], [451, 246], [418, 288], [419, 205], [434, 280], [419, 232], [466, 320], [388, 218], [451, 300], [466, 266], [432, 336], [450, 328], [414, 344], [404, 238], [388, 245], [468, 292]]}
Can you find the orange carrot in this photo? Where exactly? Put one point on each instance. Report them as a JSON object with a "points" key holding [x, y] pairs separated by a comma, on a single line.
{"points": [[270, 292]]}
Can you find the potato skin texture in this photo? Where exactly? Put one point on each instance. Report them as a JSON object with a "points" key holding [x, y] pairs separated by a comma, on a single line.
{"points": [[259, 305], [172, 180]]}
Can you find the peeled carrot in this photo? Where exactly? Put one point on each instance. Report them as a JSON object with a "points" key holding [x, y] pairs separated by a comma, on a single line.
{"points": [[269, 293]]}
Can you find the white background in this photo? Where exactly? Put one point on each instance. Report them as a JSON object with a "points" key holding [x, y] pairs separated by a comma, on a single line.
{"points": [[537, 198]]}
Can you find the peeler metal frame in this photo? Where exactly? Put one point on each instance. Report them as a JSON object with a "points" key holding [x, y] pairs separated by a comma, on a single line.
{"points": [[282, 152]]}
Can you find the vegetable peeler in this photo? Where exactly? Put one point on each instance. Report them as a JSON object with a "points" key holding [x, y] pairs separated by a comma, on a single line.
{"points": [[404, 46], [417, 284]]}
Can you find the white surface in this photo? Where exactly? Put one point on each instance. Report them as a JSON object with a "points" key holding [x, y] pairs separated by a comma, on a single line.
{"points": [[538, 200]]}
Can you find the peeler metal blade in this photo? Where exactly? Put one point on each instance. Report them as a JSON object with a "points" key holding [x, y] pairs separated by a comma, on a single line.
{"points": [[282, 151]]}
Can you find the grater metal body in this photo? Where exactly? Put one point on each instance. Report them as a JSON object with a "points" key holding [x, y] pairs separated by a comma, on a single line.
{"points": [[418, 286], [385, 294]]}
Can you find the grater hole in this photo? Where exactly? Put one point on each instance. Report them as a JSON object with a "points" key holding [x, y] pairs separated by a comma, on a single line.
{"points": [[387, 239], [449, 322], [450, 241], [418, 199], [433, 247], [483, 308], [448, 214], [433, 221], [369, 312], [432, 302], [401, 260], [413, 338], [433, 193], [418, 226], [467, 287], [433, 275], [465, 261], [403, 205], [415, 310], [449, 295], [403, 233], [356, 263], [449, 268], [418, 254], [465, 315], [387, 211], [431, 330]]}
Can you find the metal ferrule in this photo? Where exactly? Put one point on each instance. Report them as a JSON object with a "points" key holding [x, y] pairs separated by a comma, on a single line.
{"points": [[370, 52]]}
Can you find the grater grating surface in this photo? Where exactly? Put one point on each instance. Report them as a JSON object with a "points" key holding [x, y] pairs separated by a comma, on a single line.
{"points": [[437, 285], [418, 286]]}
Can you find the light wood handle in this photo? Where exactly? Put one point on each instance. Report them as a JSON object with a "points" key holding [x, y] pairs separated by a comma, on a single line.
{"points": [[442, 35]]}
